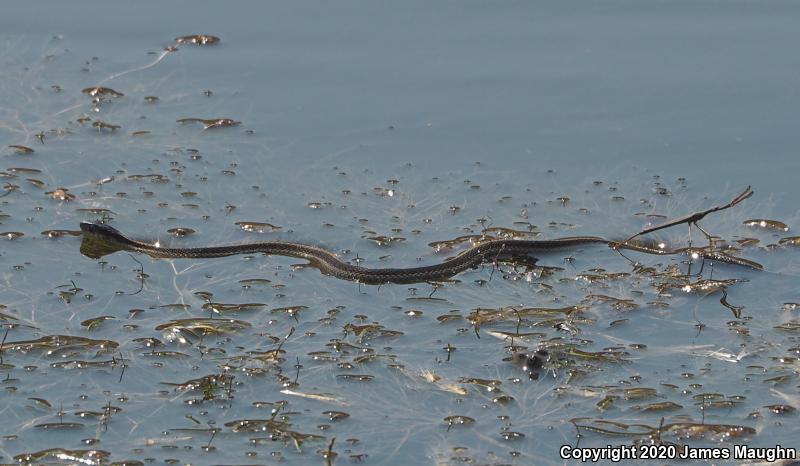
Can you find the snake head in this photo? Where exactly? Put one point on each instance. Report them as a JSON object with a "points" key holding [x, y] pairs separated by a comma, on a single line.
{"points": [[100, 240], [98, 229]]}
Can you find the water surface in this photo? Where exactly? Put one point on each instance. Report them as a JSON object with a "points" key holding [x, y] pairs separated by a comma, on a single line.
{"points": [[373, 131]]}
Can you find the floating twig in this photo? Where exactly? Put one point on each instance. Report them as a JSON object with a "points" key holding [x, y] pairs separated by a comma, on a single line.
{"points": [[692, 218]]}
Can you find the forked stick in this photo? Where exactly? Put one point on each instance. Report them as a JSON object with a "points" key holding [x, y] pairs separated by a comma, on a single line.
{"points": [[693, 218]]}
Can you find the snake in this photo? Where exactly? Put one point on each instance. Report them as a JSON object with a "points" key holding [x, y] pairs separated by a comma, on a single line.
{"points": [[106, 239]]}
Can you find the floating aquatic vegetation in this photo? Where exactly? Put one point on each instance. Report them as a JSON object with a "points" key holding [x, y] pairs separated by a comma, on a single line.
{"points": [[790, 326], [657, 407], [766, 224], [154, 177], [445, 318], [490, 385], [12, 235], [258, 227], [781, 379], [80, 364], [278, 429], [610, 356], [101, 125], [22, 150], [175, 306], [60, 233], [221, 308], [367, 358], [509, 233], [707, 286], [790, 241], [457, 420], [59, 426], [149, 342], [719, 404], [522, 336], [166, 354], [273, 356], [180, 232], [197, 39], [781, 409], [211, 123], [606, 403], [618, 304], [480, 317], [510, 435], [323, 356], [356, 377], [318, 205], [212, 386], [95, 322], [95, 210], [203, 327], [682, 430], [291, 311], [747, 242], [102, 92], [336, 415], [58, 344], [449, 244], [386, 240], [600, 277], [368, 331], [15, 170], [41, 402], [324, 397], [88, 457], [270, 425], [384, 192]]}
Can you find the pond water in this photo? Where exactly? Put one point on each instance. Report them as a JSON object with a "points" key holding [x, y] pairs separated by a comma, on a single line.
{"points": [[374, 130]]}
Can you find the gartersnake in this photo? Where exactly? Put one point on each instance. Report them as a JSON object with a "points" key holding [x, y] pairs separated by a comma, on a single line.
{"points": [[328, 263]]}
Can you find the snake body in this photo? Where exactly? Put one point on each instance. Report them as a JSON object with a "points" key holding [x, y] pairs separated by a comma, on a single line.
{"points": [[330, 264]]}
